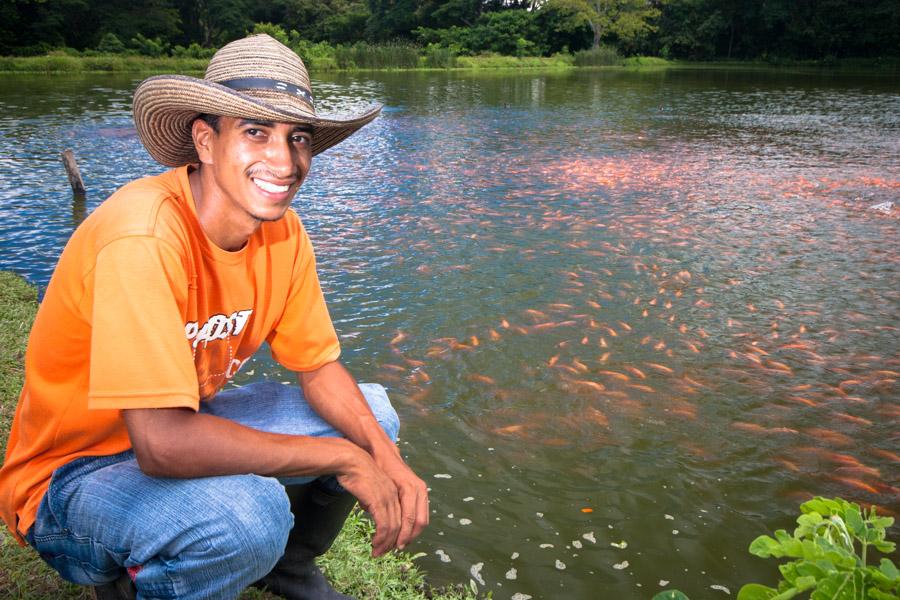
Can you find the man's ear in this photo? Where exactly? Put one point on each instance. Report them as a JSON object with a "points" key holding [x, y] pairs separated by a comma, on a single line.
{"points": [[204, 137]]}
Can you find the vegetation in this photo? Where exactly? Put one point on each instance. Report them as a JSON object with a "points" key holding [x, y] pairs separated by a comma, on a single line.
{"points": [[23, 575], [431, 33], [830, 549]]}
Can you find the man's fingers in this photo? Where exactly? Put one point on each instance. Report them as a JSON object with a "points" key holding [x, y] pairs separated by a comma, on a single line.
{"points": [[414, 504], [387, 527]]}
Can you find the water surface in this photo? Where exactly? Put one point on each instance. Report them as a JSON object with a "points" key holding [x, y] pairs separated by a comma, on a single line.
{"points": [[630, 319]]}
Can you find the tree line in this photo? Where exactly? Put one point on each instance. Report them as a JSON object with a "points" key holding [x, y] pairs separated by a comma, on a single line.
{"points": [[680, 29]]}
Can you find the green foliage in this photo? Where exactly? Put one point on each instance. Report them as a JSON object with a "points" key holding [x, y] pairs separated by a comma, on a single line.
{"points": [[276, 31], [111, 44], [194, 50], [362, 55], [154, 47], [439, 58], [509, 32], [670, 595], [602, 56], [830, 552]]}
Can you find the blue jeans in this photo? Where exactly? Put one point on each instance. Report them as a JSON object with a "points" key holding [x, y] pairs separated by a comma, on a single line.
{"points": [[209, 537]]}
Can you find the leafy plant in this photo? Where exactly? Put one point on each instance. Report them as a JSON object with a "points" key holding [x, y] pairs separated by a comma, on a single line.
{"points": [[830, 548]]}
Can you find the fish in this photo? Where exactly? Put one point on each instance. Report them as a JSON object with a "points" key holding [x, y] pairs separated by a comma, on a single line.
{"points": [[855, 483], [635, 371], [398, 338], [615, 375], [482, 379], [660, 368]]}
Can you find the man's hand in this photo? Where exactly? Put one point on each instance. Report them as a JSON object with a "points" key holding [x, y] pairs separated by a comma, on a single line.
{"points": [[333, 393], [413, 496], [378, 496]]}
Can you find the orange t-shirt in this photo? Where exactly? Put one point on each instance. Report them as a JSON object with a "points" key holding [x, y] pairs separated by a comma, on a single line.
{"points": [[143, 311]]}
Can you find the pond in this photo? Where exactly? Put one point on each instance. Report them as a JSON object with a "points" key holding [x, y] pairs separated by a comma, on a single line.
{"points": [[630, 319]]}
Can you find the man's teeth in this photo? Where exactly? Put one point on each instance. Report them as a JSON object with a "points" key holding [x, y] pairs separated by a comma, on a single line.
{"points": [[270, 187]]}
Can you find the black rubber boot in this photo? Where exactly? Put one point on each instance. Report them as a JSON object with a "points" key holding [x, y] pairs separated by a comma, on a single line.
{"points": [[319, 515], [120, 589]]}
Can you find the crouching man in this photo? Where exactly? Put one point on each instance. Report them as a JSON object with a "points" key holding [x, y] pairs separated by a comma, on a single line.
{"points": [[127, 468]]}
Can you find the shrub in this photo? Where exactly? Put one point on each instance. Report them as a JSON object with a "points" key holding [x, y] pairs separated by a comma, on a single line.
{"points": [[111, 44], [439, 58], [276, 31], [603, 56], [149, 46], [195, 50]]}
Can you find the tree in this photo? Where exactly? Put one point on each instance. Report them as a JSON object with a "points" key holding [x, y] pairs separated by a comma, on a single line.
{"points": [[625, 19]]}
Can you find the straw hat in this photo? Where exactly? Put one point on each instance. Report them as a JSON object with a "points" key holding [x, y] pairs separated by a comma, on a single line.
{"points": [[253, 78]]}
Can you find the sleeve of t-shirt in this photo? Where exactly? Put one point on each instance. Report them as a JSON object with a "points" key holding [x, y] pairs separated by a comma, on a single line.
{"points": [[139, 354], [304, 338]]}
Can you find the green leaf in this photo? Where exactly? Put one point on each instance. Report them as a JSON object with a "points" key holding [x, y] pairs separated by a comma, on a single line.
{"points": [[764, 547], [804, 583], [824, 506], [755, 591], [882, 522], [876, 594], [885, 547], [840, 586], [854, 521], [890, 571], [670, 595], [782, 536]]}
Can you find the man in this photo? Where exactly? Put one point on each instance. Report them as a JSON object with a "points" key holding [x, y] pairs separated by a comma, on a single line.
{"points": [[127, 468]]}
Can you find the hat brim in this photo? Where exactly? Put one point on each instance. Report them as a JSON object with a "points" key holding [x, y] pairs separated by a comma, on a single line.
{"points": [[165, 106]]}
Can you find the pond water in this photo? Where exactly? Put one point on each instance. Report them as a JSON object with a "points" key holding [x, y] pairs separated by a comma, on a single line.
{"points": [[630, 319]]}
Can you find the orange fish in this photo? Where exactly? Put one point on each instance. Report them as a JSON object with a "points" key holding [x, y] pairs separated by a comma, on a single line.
{"points": [[398, 338], [615, 375], [494, 335], [553, 360], [856, 483], [852, 418], [599, 387], [635, 371], [482, 379], [660, 368]]}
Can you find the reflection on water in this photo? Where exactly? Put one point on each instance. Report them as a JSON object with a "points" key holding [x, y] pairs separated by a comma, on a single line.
{"points": [[630, 320]]}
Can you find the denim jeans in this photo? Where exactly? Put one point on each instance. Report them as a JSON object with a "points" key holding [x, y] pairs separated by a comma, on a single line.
{"points": [[208, 537]]}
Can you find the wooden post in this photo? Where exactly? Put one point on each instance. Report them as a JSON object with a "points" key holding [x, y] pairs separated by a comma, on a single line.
{"points": [[74, 174]]}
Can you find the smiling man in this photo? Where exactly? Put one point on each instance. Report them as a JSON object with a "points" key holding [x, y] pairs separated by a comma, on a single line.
{"points": [[128, 467]]}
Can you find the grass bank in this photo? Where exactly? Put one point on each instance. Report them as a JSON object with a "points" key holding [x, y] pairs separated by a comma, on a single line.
{"points": [[343, 60], [24, 576]]}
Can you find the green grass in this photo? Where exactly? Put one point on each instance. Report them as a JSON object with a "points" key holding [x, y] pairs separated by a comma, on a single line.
{"points": [[58, 62], [500, 61], [24, 576]]}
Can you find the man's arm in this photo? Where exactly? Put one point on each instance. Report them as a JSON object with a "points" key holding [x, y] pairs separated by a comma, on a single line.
{"points": [[163, 437], [335, 396]]}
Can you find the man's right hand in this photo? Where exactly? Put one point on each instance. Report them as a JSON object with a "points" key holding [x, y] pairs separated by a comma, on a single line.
{"points": [[377, 495]]}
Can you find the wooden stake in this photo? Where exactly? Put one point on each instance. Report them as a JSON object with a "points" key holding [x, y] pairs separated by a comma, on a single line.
{"points": [[74, 174]]}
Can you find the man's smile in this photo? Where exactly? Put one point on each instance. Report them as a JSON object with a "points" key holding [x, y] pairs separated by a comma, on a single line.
{"points": [[268, 186]]}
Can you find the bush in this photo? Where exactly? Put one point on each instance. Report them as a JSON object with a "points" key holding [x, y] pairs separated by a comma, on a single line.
{"points": [[154, 47], [276, 31], [603, 56], [362, 55], [439, 58], [195, 50], [111, 44]]}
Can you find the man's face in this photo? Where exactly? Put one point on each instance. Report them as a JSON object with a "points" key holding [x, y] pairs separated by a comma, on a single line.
{"points": [[257, 166]]}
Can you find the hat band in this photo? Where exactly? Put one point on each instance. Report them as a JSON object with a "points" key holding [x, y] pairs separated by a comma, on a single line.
{"points": [[261, 83]]}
